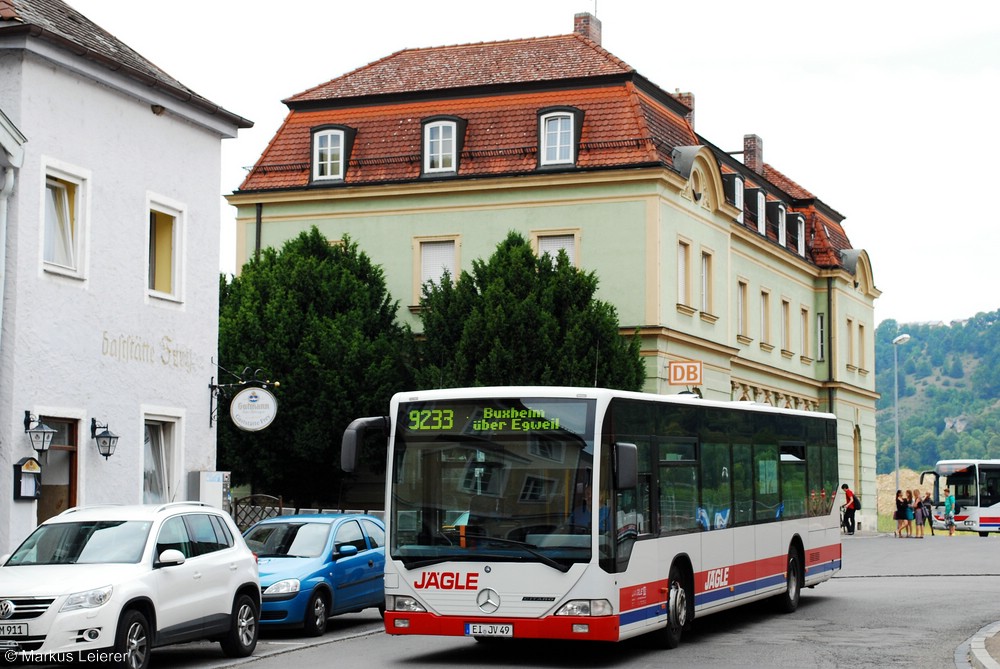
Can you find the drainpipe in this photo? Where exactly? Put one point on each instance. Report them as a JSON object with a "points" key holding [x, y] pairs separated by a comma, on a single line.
{"points": [[6, 188], [829, 344], [258, 230]]}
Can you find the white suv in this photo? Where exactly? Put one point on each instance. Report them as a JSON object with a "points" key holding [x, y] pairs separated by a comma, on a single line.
{"points": [[109, 583]]}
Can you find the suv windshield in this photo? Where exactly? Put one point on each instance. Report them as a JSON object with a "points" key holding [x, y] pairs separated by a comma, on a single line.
{"points": [[500, 478], [91, 542]]}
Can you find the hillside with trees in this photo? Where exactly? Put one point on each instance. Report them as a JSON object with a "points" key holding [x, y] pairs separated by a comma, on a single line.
{"points": [[949, 391]]}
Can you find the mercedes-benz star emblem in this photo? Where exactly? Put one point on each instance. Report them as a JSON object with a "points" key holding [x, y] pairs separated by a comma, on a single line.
{"points": [[7, 609], [488, 600]]}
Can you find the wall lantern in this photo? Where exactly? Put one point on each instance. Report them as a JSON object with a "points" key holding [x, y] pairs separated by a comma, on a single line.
{"points": [[106, 440], [40, 435]]}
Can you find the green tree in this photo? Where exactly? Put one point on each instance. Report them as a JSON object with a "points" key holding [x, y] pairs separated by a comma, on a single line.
{"points": [[318, 319], [518, 319]]}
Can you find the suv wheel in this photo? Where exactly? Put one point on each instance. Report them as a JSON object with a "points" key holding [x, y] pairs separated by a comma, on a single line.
{"points": [[241, 639], [132, 641]]}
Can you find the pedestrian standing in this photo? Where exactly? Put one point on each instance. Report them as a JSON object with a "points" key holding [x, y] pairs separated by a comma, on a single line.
{"points": [[909, 513], [849, 509], [949, 512], [900, 514], [928, 511], [918, 514]]}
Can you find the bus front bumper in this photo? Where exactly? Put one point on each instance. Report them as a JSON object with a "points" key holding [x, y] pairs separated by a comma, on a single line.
{"points": [[594, 628]]}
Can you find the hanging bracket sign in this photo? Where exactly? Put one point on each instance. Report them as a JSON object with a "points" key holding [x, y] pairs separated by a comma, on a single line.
{"points": [[253, 409]]}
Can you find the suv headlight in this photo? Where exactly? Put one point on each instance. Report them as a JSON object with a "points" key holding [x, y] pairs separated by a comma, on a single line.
{"points": [[89, 599], [287, 587]]}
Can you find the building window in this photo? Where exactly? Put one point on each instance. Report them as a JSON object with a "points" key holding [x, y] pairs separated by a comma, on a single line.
{"points": [[706, 282], [558, 137], [861, 347], [554, 243], [850, 343], [165, 234], [158, 484], [331, 149], [765, 317], [786, 325], [804, 335], [741, 308], [62, 244], [683, 255], [432, 257], [820, 336], [440, 154]]}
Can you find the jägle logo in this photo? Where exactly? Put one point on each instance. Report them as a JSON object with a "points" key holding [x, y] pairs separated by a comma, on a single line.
{"points": [[447, 580]]}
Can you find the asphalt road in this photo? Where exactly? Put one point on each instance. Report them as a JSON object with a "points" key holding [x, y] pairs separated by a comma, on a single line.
{"points": [[896, 603]]}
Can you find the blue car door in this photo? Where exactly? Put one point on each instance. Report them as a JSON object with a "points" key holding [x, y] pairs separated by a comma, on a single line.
{"points": [[352, 574]]}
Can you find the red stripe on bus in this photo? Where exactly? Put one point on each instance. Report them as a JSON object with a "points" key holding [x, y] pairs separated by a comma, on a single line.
{"points": [[731, 576]]}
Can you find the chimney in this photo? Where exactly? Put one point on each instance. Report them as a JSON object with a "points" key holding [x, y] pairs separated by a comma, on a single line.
{"points": [[688, 100], [753, 153], [588, 25]]}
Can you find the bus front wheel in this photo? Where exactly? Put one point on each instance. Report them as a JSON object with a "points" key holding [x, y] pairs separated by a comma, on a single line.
{"points": [[678, 608], [788, 600]]}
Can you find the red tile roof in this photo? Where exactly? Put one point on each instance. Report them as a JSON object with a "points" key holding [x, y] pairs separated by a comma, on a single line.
{"points": [[541, 59], [501, 137]]}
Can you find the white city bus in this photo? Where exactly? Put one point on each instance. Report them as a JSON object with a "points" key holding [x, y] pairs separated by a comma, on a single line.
{"points": [[583, 513], [976, 486]]}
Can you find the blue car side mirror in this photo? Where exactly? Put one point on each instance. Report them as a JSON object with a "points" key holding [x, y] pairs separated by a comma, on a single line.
{"points": [[346, 550]]}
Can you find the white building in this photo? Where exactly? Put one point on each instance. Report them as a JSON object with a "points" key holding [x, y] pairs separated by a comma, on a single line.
{"points": [[109, 251]]}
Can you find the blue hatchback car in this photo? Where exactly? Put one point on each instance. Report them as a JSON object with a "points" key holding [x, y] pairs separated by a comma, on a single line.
{"points": [[313, 566]]}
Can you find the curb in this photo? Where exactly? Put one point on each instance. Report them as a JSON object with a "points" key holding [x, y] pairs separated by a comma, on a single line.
{"points": [[978, 655]]}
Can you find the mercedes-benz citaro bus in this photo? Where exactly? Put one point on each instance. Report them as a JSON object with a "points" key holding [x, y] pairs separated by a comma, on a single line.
{"points": [[584, 513], [976, 487]]}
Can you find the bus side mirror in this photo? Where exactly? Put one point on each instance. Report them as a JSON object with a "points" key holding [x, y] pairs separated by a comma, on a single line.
{"points": [[355, 433], [626, 465]]}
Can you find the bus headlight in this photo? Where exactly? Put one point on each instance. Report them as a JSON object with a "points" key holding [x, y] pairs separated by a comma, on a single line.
{"points": [[585, 607], [403, 603]]}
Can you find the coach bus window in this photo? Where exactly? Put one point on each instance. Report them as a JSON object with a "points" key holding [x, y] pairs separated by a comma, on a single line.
{"points": [[742, 477], [765, 464], [716, 514]]}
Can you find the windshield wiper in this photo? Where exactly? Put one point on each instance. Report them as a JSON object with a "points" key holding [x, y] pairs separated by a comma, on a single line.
{"points": [[528, 548]]}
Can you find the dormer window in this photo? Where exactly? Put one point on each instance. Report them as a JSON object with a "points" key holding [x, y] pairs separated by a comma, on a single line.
{"points": [[761, 212], [800, 232], [330, 152], [443, 144], [733, 185], [777, 214], [559, 134], [439, 147]]}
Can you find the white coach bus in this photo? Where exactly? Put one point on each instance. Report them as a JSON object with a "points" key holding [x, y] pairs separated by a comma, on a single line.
{"points": [[583, 513]]}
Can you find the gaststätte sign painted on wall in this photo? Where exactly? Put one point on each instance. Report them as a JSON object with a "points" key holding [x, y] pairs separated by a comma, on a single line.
{"points": [[253, 409]]}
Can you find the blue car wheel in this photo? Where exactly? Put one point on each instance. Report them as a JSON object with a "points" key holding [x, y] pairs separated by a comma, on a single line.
{"points": [[316, 614]]}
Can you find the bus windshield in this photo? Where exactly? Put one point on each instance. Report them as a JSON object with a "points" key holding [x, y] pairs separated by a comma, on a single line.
{"points": [[505, 479]]}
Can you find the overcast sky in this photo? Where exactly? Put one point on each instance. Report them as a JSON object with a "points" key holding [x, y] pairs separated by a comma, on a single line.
{"points": [[885, 110]]}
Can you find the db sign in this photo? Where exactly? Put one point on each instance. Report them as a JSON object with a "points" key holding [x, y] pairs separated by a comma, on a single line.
{"points": [[684, 373]]}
